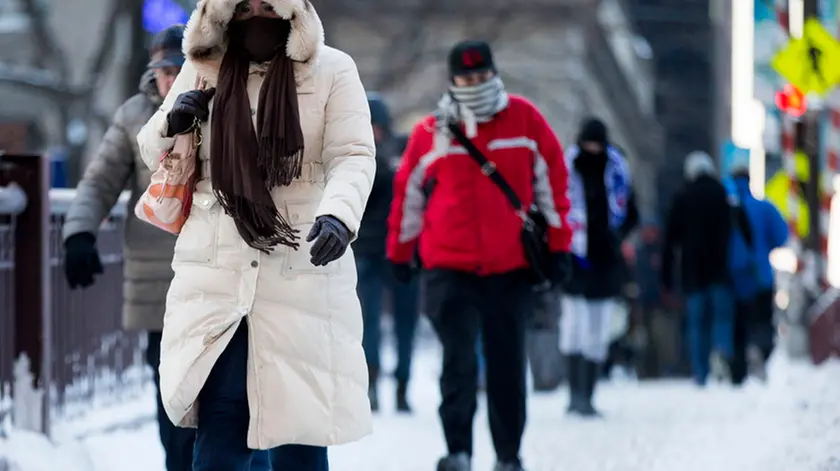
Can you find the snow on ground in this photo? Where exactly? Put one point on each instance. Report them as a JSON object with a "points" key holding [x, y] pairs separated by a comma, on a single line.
{"points": [[792, 424]]}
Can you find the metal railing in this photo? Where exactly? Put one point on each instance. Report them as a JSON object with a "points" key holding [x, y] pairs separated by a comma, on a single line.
{"points": [[79, 355], [12, 203], [93, 359]]}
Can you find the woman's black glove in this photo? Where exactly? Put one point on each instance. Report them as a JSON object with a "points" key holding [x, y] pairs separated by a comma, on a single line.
{"points": [[331, 238], [81, 260], [189, 106]]}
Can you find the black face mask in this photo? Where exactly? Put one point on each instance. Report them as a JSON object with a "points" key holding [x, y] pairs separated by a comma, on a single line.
{"points": [[260, 38]]}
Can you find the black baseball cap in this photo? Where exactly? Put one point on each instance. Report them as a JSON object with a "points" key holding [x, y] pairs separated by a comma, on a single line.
{"points": [[166, 50], [469, 57]]}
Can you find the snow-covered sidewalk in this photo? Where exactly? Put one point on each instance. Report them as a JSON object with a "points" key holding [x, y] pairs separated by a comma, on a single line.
{"points": [[793, 424]]}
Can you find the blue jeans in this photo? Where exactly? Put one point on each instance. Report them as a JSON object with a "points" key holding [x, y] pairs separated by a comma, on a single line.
{"points": [[710, 325], [177, 442], [375, 276], [479, 352], [223, 416]]}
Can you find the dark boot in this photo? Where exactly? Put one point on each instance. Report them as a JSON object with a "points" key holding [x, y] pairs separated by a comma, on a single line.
{"points": [[589, 379], [456, 462], [402, 400], [373, 394], [574, 365]]}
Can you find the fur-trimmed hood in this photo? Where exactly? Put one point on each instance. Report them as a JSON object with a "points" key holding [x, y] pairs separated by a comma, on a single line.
{"points": [[205, 35]]}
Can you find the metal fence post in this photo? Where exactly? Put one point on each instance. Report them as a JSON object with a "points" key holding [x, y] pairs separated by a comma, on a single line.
{"points": [[33, 336]]}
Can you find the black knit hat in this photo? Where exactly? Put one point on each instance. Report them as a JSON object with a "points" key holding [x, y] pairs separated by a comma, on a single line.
{"points": [[166, 50], [593, 130], [379, 113], [470, 56]]}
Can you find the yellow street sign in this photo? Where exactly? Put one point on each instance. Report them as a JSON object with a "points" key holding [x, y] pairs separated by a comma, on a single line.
{"points": [[810, 63]]}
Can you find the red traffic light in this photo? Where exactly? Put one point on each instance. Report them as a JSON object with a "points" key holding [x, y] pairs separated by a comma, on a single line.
{"points": [[791, 101]]}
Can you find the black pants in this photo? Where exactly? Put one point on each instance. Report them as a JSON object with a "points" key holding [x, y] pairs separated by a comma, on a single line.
{"points": [[753, 326], [459, 305], [177, 442]]}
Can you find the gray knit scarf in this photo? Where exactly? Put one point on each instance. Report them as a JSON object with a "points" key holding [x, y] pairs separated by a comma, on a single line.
{"points": [[471, 105]]}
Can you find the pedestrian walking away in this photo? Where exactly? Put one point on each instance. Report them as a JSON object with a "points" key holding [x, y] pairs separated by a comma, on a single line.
{"points": [[759, 228], [262, 339], [475, 272], [375, 274], [147, 251], [603, 212], [699, 229]]}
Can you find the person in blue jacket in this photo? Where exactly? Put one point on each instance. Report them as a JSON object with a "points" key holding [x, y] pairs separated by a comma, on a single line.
{"points": [[758, 228]]}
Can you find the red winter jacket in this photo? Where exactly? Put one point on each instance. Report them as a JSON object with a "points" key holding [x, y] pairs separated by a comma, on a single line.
{"points": [[462, 220]]}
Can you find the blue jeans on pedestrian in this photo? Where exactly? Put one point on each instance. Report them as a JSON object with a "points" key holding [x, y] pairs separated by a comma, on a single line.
{"points": [[223, 417], [710, 324], [479, 352], [177, 442], [375, 276]]}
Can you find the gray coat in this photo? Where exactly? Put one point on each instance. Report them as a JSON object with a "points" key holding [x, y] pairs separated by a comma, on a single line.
{"points": [[116, 166]]}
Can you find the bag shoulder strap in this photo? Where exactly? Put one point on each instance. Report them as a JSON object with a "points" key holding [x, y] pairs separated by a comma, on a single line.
{"points": [[740, 219], [741, 223], [488, 168]]}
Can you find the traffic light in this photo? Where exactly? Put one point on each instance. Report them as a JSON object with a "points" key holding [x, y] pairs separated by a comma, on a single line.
{"points": [[791, 101]]}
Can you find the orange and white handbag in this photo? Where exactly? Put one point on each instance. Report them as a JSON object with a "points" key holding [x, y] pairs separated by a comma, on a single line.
{"points": [[167, 201]]}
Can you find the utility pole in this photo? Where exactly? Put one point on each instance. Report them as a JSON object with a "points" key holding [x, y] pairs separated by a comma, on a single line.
{"points": [[810, 145], [802, 140]]}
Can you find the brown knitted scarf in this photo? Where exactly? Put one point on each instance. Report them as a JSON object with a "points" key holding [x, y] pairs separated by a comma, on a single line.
{"points": [[247, 163]]}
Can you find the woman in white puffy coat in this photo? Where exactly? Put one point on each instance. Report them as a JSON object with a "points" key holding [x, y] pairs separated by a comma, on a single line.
{"points": [[262, 336]]}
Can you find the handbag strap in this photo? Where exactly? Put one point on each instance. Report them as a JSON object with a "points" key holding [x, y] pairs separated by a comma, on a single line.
{"points": [[200, 84], [488, 168], [740, 221]]}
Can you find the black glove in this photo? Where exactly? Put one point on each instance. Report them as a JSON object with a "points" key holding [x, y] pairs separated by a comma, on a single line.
{"points": [[81, 260], [402, 272], [561, 265], [331, 238], [189, 106]]}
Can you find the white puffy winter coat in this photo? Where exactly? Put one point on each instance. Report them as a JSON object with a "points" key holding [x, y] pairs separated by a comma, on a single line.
{"points": [[307, 377]]}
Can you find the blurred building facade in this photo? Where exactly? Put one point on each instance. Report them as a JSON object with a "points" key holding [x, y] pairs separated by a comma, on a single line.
{"points": [[573, 58], [680, 34], [29, 78]]}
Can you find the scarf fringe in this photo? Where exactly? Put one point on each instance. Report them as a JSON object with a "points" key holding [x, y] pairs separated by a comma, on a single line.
{"points": [[261, 226], [280, 166]]}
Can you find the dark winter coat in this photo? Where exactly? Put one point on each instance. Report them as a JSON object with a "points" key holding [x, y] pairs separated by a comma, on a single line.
{"points": [[604, 272], [699, 228], [116, 166], [374, 229]]}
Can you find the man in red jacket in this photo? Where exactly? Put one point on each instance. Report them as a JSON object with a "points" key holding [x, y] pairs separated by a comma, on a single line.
{"points": [[475, 269]]}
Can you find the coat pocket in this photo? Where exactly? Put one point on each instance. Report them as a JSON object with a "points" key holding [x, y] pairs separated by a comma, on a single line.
{"points": [[301, 215], [197, 242]]}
